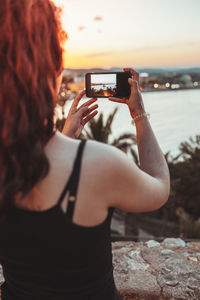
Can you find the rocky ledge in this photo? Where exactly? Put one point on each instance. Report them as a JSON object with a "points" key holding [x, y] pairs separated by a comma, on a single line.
{"points": [[152, 270]]}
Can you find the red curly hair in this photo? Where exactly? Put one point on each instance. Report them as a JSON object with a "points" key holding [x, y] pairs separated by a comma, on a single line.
{"points": [[30, 60]]}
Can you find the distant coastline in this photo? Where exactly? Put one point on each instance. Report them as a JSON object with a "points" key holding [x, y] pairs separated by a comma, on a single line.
{"points": [[151, 79], [151, 71]]}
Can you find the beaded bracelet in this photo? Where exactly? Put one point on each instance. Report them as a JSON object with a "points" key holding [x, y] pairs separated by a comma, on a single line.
{"points": [[147, 115]]}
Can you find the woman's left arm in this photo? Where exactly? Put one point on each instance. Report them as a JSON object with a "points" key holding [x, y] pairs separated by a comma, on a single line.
{"points": [[78, 117]]}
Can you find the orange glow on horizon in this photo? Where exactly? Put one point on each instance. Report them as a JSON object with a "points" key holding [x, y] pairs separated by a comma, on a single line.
{"points": [[158, 58]]}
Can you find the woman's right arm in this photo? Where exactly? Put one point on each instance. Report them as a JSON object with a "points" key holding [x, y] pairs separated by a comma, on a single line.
{"points": [[139, 189]]}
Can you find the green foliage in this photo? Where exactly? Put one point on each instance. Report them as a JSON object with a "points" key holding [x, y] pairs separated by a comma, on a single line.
{"points": [[183, 206], [185, 176], [180, 216], [99, 131]]}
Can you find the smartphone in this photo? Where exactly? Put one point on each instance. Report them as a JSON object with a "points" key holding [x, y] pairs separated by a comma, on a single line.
{"points": [[109, 84]]}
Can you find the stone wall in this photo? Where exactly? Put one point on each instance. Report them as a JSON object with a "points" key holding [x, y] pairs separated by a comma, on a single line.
{"points": [[152, 270]]}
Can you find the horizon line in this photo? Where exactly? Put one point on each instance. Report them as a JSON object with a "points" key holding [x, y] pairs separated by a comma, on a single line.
{"points": [[114, 67]]}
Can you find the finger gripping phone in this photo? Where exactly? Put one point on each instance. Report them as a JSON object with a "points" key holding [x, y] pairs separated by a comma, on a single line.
{"points": [[108, 84]]}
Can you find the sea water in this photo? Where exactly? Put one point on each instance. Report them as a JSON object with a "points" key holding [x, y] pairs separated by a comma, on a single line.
{"points": [[174, 116]]}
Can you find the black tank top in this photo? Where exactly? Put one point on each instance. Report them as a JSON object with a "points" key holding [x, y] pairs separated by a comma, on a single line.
{"points": [[45, 256]]}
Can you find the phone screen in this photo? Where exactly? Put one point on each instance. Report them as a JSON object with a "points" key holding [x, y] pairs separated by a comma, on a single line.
{"points": [[105, 85]]}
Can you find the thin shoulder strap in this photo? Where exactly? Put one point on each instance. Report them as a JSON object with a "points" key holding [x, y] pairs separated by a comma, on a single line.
{"points": [[72, 184]]}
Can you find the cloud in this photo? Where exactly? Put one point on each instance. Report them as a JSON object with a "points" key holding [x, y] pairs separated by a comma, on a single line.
{"points": [[92, 55], [98, 18], [81, 28]]}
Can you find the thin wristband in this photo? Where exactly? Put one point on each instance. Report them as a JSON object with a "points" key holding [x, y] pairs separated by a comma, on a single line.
{"points": [[144, 115]]}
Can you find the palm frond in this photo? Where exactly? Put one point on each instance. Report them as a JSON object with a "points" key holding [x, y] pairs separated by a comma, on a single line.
{"points": [[189, 148], [109, 121], [125, 136], [96, 129], [124, 146], [86, 134], [135, 156], [111, 117]]}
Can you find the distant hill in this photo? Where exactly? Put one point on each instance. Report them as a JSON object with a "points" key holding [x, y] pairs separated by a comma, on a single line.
{"points": [[150, 71]]}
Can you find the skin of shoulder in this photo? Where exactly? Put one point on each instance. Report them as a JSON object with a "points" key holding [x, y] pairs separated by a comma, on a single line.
{"points": [[114, 180], [123, 184]]}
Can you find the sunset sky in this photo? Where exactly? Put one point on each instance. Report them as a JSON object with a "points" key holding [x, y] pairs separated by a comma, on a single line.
{"points": [[142, 33], [108, 78]]}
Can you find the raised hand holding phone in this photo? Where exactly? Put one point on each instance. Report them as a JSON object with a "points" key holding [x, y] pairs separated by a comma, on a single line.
{"points": [[134, 102], [108, 84]]}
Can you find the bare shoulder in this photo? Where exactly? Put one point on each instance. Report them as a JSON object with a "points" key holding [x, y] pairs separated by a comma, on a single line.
{"points": [[99, 150], [98, 158], [105, 165], [123, 183], [110, 177], [104, 159]]}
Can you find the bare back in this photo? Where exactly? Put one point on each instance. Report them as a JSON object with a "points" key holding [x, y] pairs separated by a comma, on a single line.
{"points": [[108, 178], [91, 207]]}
